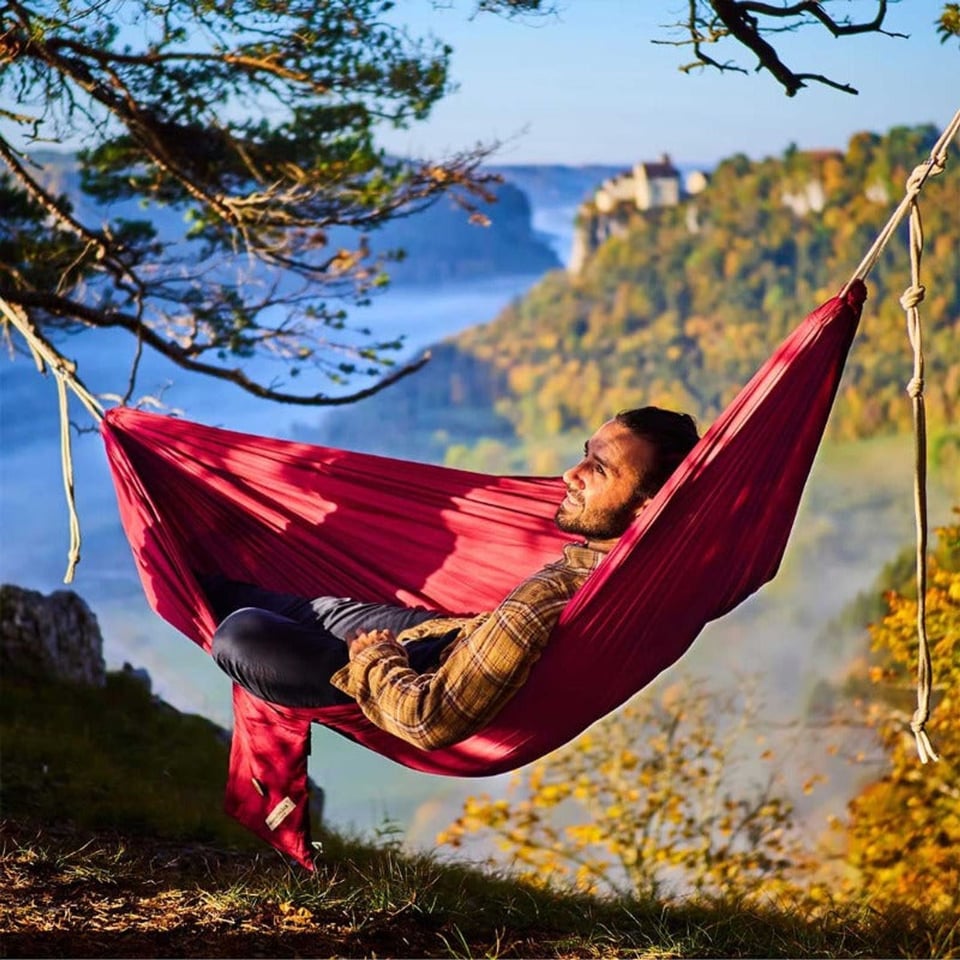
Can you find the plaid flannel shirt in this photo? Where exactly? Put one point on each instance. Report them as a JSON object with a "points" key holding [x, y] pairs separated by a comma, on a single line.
{"points": [[485, 664]]}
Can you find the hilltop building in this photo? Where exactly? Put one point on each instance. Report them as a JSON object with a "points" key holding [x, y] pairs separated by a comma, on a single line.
{"points": [[646, 186]]}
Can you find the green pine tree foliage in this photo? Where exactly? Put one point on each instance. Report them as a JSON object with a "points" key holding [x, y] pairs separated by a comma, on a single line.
{"points": [[229, 183]]}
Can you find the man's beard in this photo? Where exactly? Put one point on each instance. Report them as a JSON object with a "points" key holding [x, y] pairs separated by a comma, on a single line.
{"points": [[600, 525]]}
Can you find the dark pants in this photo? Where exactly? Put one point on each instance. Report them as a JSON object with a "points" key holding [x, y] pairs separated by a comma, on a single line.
{"points": [[283, 648]]}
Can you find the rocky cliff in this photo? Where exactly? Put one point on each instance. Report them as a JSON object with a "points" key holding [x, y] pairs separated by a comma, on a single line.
{"points": [[56, 635], [45, 640]]}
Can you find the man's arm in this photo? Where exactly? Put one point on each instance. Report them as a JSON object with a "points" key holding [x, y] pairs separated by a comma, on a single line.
{"points": [[482, 672]]}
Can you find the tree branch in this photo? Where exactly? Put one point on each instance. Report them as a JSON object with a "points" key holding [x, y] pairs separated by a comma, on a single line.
{"points": [[61, 306], [815, 9], [711, 21], [105, 250]]}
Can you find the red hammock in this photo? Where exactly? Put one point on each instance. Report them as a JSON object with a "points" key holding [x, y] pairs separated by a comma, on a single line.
{"points": [[314, 520]]}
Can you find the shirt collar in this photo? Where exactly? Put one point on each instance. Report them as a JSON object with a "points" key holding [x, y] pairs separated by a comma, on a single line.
{"points": [[581, 556]]}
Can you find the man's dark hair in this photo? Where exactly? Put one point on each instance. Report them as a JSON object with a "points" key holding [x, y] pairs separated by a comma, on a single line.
{"points": [[672, 434]]}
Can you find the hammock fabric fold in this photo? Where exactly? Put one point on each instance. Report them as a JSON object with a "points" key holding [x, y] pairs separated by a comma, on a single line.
{"points": [[314, 520]]}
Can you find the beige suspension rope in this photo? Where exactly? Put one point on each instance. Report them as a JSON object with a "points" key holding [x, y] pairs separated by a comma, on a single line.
{"points": [[910, 301], [45, 355]]}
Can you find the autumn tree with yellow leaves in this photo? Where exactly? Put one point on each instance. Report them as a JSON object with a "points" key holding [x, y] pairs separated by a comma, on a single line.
{"points": [[643, 804], [903, 834]]}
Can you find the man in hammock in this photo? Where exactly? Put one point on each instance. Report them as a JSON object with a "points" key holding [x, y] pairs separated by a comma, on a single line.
{"points": [[433, 679]]}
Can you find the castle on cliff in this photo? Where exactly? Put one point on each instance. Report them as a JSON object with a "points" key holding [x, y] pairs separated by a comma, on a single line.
{"points": [[608, 212], [646, 186]]}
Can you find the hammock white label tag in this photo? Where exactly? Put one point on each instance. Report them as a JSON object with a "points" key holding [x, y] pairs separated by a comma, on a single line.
{"points": [[280, 813]]}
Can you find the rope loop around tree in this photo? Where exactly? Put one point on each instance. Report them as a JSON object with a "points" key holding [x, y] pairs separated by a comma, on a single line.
{"points": [[46, 356]]}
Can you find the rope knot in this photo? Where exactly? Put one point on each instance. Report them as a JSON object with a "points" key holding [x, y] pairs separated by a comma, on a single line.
{"points": [[916, 178], [915, 387], [930, 168], [924, 747], [912, 296]]}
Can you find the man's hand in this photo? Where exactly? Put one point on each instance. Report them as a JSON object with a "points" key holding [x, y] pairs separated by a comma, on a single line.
{"points": [[360, 641]]}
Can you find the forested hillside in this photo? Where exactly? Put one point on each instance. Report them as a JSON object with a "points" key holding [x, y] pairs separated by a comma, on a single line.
{"points": [[682, 308]]}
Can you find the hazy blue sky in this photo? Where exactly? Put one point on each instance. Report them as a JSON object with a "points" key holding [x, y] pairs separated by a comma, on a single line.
{"points": [[589, 85]]}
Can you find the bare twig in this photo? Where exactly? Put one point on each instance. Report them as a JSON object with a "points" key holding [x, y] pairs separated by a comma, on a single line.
{"points": [[745, 21], [184, 358]]}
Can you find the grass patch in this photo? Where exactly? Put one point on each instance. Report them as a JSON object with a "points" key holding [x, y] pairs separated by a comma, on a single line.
{"points": [[113, 757], [72, 893]]}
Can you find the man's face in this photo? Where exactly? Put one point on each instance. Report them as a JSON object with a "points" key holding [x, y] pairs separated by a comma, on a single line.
{"points": [[602, 497]]}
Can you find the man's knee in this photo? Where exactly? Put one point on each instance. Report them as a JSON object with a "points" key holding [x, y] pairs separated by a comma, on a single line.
{"points": [[239, 637], [279, 660]]}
